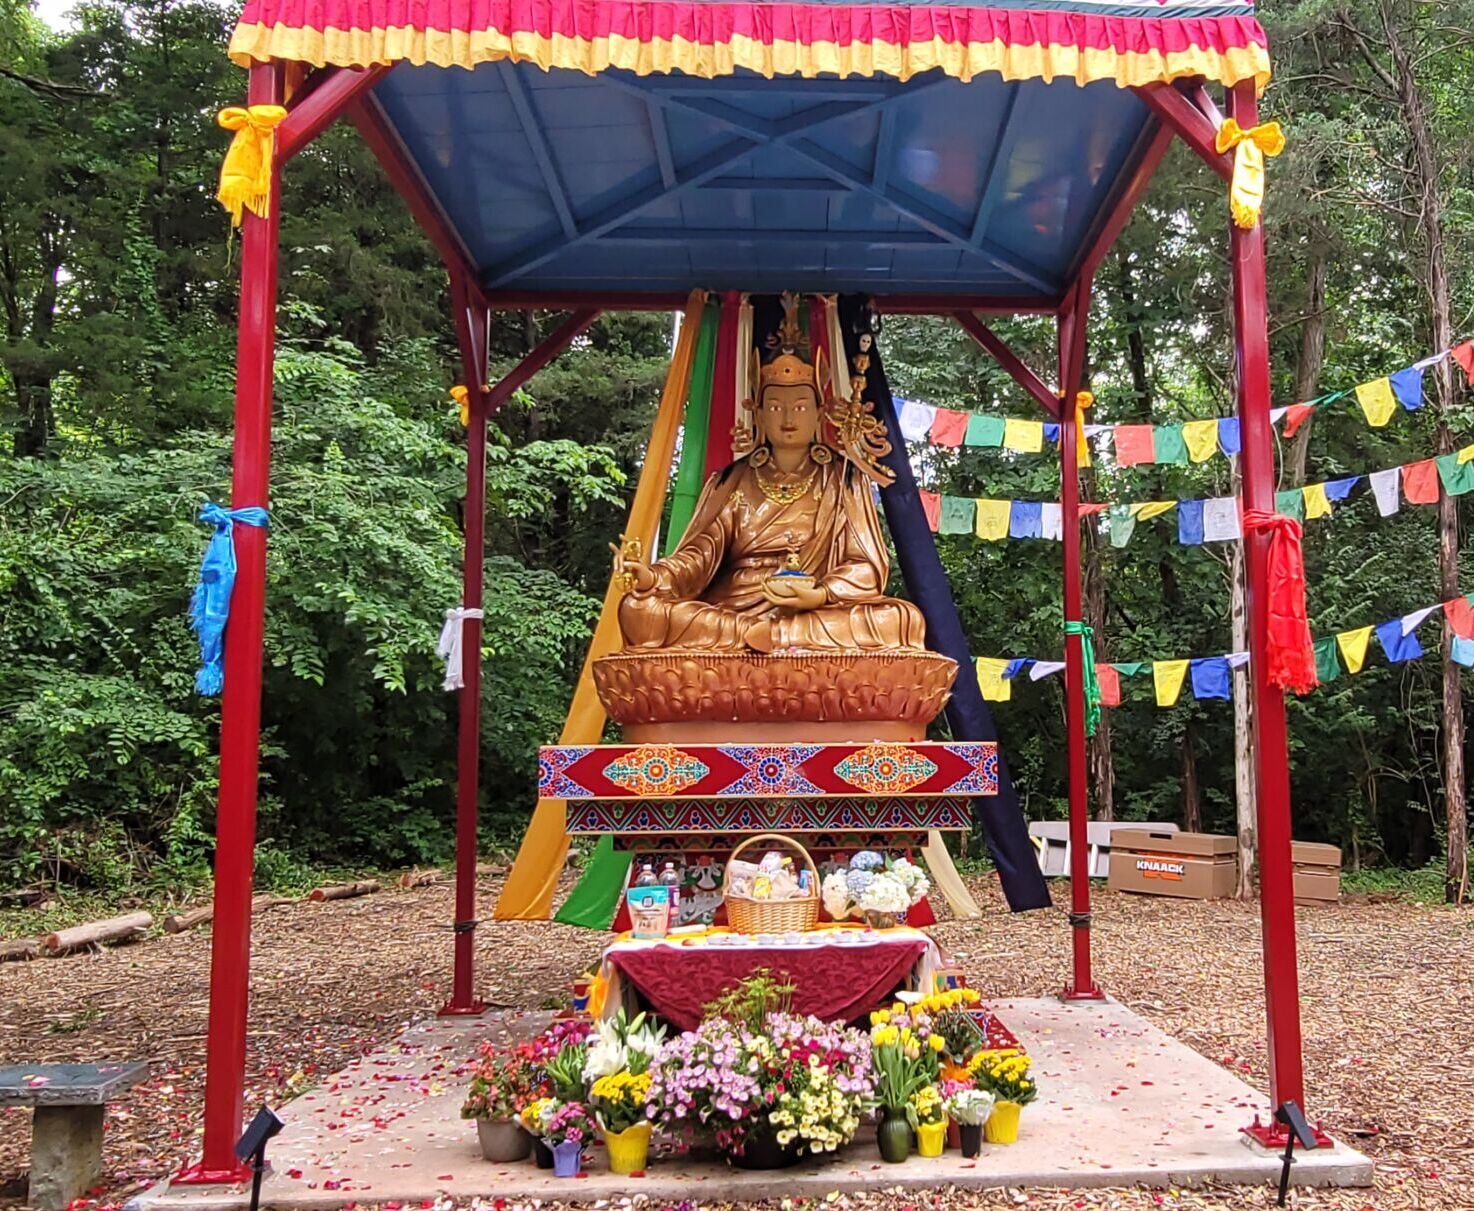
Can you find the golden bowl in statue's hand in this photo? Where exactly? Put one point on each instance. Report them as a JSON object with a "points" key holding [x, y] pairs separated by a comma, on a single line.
{"points": [[784, 583]]}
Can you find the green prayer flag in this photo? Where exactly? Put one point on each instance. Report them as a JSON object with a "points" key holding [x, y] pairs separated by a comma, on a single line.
{"points": [[1133, 668], [1327, 662], [1291, 503], [1169, 445], [984, 431], [1122, 525], [957, 515], [1457, 477]]}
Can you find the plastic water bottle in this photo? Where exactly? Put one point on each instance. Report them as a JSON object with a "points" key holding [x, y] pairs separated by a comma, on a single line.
{"points": [[672, 880], [646, 877]]}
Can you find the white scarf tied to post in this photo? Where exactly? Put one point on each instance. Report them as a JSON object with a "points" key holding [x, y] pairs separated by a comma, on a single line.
{"points": [[450, 644]]}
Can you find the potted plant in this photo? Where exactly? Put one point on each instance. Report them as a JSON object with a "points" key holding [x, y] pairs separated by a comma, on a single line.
{"points": [[622, 1044], [503, 1082], [970, 1108], [766, 1085], [950, 1012], [569, 1130], [904, 1052], [534, 1119], [618, 1102], [927, 1114], [1004, 1074], [564, 1069]]}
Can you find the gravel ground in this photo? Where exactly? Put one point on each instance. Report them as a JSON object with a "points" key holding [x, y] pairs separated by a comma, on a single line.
{"points": [[1387, 990]]}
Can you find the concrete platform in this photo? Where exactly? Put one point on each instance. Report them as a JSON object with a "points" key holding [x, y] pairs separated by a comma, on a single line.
{"points": [[1122, 1104]]}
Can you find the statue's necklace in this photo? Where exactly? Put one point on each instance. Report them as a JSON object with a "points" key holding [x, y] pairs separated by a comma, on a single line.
{"points": [[786, 494]]}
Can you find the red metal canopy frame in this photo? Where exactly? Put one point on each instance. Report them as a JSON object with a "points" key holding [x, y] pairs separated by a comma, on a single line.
{"points": [[1182, 110]]}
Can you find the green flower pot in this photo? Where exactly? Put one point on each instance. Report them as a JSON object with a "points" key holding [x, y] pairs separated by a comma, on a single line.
{"points": [[894, 1135]]}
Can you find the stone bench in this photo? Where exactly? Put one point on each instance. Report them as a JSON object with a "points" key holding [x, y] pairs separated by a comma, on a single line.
{"points": [[66, 1127]]}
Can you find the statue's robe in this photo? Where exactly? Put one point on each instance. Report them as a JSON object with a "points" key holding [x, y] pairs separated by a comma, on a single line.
{"points": [[709, 591]]}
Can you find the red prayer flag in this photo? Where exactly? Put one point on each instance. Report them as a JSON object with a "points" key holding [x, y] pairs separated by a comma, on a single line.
{"points": [[948, 428], [1420, 482], [1460, 616], [1290, 653], [1135, 444], [1464, 355], [931, 505], [1110, 684], [1295, 416], [1087, 509]]}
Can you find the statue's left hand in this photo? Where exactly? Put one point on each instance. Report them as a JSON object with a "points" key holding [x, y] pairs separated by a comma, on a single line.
{"points": [[794, 597]]}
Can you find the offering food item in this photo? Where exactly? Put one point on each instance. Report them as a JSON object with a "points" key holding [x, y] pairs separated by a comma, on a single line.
{"points": [[649, 910]]}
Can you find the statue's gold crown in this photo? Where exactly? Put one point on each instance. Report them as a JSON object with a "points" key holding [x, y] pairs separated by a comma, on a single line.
{"points": [[791, 362]]}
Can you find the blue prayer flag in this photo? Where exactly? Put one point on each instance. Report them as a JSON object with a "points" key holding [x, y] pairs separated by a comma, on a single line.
{"points": [[1462, 651], [1228, 435], [1190, 522], [1340, 489], [1016, 666], [1210, 677], [1407, 386], [1026, 519], [1399, 647], [1051, 433]]}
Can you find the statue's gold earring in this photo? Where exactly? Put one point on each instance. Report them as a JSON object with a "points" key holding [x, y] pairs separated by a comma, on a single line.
{"points": [[820, 452]]}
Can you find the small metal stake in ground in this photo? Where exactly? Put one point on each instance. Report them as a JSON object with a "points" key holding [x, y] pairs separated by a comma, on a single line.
{"points": [[250, 1149]]}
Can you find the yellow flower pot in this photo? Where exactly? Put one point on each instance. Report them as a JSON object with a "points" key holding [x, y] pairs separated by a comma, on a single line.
{"points": [[930, 1137], [1002, 1124], [629, 1150]]}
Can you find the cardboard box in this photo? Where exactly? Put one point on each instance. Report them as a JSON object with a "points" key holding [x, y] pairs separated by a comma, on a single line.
{"points": [[1195, 866], [1317, 872]]}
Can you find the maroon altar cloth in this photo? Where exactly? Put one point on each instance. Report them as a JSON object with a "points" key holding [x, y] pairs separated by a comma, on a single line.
{"points": [[835, 981]]}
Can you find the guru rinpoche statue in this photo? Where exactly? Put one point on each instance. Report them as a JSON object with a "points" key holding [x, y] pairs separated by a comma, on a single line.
{"points": [[770, 621], [784, 549]]}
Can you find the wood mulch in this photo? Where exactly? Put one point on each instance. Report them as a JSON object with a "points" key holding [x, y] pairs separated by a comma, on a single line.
{"points": [[1387, 992]]}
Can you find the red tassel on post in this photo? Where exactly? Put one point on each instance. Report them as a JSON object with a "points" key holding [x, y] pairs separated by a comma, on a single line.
{"points": [[1291, 656]]}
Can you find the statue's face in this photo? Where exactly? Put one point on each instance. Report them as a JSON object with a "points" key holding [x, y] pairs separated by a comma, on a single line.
{"points": [[789, 416]]}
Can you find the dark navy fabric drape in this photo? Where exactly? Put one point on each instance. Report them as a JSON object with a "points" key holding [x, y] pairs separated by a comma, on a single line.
{"points": [[1004, 827]]}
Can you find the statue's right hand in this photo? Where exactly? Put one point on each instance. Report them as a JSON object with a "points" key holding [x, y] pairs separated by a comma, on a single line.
{"points": [[642, 576]]}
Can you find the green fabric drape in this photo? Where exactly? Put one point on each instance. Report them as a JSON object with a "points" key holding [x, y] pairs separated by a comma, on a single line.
{"points": [[694, 432], [595, 898]]}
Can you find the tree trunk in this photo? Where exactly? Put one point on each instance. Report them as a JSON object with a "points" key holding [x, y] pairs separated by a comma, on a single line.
{"points": [[1425, 173], [344, 891], [1141, 386], [1243, 722], [1312, 357], [113, 929], [1192, 799]]}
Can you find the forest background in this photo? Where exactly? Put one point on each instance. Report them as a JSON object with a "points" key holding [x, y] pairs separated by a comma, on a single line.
{"points": [[118, 293]]}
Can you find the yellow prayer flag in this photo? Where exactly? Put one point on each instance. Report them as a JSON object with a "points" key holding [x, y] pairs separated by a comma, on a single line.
{"points": [[1466, 454], [1025, 436], [1201, 438], [990, 679], [1353, 645], [991, 521], [1377, 401], [1147, 509], [1317, 503], [1167, 678]]}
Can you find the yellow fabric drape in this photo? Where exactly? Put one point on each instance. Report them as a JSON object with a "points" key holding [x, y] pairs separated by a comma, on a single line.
{"points": [[990, 679], [990, 521], [1353, 645], [1201, 439], [1249, 147], [1025, 436], [1317, 503], [245, 176], [1147, 509], [1167, 678], [1377, 401], [528, 894]]}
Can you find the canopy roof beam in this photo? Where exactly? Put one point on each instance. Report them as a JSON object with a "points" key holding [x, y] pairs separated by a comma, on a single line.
{"points": [[1197, 130], [1010, 361], [542, 154], [326, 94]]}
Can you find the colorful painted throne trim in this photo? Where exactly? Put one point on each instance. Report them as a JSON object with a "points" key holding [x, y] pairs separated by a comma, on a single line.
{"points": [[630, 817]]}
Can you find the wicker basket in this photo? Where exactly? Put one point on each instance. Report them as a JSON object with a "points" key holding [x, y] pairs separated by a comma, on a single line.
{"points": [[772, 916]]}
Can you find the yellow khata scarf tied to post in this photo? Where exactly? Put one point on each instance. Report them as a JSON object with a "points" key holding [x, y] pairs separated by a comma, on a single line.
{"points": [[245, 177], [1249, 147], [1083, 400]]}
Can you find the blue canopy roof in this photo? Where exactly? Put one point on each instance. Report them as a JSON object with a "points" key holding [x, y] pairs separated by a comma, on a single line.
{"points": [[558, 181]]}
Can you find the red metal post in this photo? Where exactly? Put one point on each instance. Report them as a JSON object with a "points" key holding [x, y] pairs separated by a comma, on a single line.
{"points": [[471, 335], [1271, 764], [1082, 986], [240, 704]]}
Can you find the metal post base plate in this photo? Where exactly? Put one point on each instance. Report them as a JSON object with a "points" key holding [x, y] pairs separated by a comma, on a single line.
{"points": [[452, 1010], [1273, 1136]]}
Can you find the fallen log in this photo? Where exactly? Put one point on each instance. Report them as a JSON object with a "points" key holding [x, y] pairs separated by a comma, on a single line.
{"points": [[19, 948], [420, 878], [345, 891], [113, 929], [180, 921]]}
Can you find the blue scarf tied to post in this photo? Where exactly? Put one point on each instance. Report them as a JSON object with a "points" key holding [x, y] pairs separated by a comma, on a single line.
{"points": [[209, 608]]}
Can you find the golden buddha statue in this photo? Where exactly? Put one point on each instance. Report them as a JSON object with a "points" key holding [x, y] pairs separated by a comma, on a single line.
{"points": [[784, 549], [771, 611]]}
